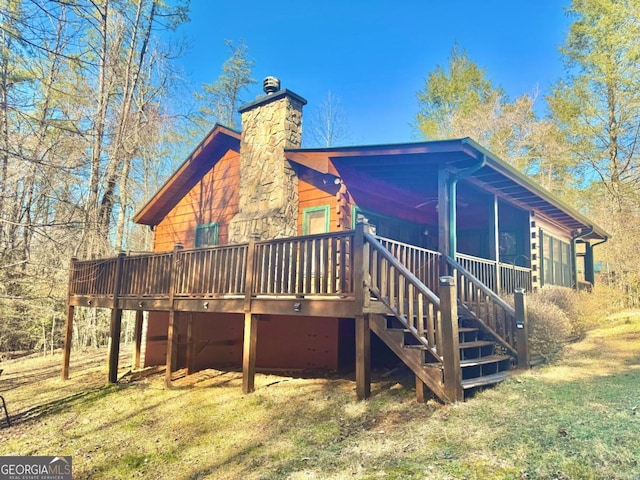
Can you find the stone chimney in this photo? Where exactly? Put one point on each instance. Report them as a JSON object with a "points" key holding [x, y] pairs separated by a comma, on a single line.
{"points": [[268, 205]]}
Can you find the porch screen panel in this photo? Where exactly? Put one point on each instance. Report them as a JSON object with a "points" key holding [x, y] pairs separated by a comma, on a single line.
{"points": [[566, 265], [556, 261]]}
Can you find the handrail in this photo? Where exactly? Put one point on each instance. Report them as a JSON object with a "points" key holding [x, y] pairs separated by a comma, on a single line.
{"points": [[473, 258], [413, 304], [498, 276], [402, 269], [500, 326], [486, 290]]}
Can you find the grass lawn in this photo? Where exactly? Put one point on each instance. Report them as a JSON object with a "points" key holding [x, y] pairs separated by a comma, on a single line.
{"points": [[578, 418]]}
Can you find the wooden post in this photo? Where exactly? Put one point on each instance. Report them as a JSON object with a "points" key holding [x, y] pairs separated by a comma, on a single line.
{"points": [[445, 227], [522, 328], [361, 264], [190, 349], [248, 275], [68, 334], [68, 331], [589, 274], [363, 357], [249, 352], [172, 333], [420, 390], [450, 342], [115, 327], [137, 338]]}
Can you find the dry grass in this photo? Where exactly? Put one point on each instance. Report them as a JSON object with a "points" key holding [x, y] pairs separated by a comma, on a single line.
{"points": [[573, 419]]}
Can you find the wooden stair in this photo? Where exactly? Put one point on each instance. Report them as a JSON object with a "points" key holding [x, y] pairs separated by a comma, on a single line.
{"points": [[482, 363]]}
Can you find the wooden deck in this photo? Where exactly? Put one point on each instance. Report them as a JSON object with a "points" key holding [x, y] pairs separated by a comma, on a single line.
{"points": [[269, 277], [349, 274]]}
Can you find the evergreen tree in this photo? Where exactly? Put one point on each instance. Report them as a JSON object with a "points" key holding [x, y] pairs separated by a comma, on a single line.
{"points": [[222, 98]]}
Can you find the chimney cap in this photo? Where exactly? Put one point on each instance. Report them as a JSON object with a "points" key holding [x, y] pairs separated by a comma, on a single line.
{"points": [[271, 85]]}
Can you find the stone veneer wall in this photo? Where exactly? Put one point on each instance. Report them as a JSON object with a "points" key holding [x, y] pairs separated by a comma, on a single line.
{"points": [[268, 204]]}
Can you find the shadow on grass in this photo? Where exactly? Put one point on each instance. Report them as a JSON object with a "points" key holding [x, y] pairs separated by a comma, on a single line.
{"points": [[60, 405]]}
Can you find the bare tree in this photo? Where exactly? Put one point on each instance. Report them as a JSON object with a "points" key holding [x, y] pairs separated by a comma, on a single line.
{"points": [[328, 125]]}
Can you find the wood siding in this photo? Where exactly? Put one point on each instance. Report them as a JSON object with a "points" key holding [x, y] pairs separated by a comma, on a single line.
{"points": [[312, 195], [214, 199]]}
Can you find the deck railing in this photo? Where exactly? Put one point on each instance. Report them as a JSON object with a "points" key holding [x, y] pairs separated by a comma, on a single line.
{"points": [[483, 269], [93, 277], [308, 265], [486, 306], [145, 275], [423, 263], [498, 276], [210, 272], [513, 277]]}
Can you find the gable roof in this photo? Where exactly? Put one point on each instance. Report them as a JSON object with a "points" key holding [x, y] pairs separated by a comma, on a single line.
{"points": [[218, 141], [414, 167]]}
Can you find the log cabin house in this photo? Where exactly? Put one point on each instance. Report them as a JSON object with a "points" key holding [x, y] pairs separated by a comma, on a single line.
{"points": [[271, 256]]}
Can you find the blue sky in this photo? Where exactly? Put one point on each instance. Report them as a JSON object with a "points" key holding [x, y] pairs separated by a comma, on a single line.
{"points": [[375, 54]]}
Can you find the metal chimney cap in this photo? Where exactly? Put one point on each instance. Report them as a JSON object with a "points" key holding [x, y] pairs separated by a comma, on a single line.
{"points": [[271, 85]]}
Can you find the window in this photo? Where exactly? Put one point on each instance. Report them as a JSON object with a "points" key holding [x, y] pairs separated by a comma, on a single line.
{"points": [[556, 261], [315, 220], [206, 235]]}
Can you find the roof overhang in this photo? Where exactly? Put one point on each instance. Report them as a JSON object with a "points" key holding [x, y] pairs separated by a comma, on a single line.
{"points": [[414, 166], [215, 145]]}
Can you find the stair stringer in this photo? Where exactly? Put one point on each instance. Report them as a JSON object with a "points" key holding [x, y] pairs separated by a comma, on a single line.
{"points": [[431, 375]]}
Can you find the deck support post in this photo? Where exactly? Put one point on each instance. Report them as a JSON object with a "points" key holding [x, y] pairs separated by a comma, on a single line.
{"points": [[362, 299], [190, 349], [172, 347], [249, 352], [521, 327], [115, 329], [137, 339], [172, 331], [450, 343], [421, 396], [250, 345], [68, 334], [363, 357], [115, 326], [68, 331]]}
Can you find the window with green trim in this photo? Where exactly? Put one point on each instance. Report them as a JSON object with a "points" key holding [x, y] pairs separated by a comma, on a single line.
{"points": [[206, 235], [315, 220]]}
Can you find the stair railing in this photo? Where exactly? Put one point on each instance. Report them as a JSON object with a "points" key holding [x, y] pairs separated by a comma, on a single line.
{"points": [[390, 282], [486, 307], [431, 320]]}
